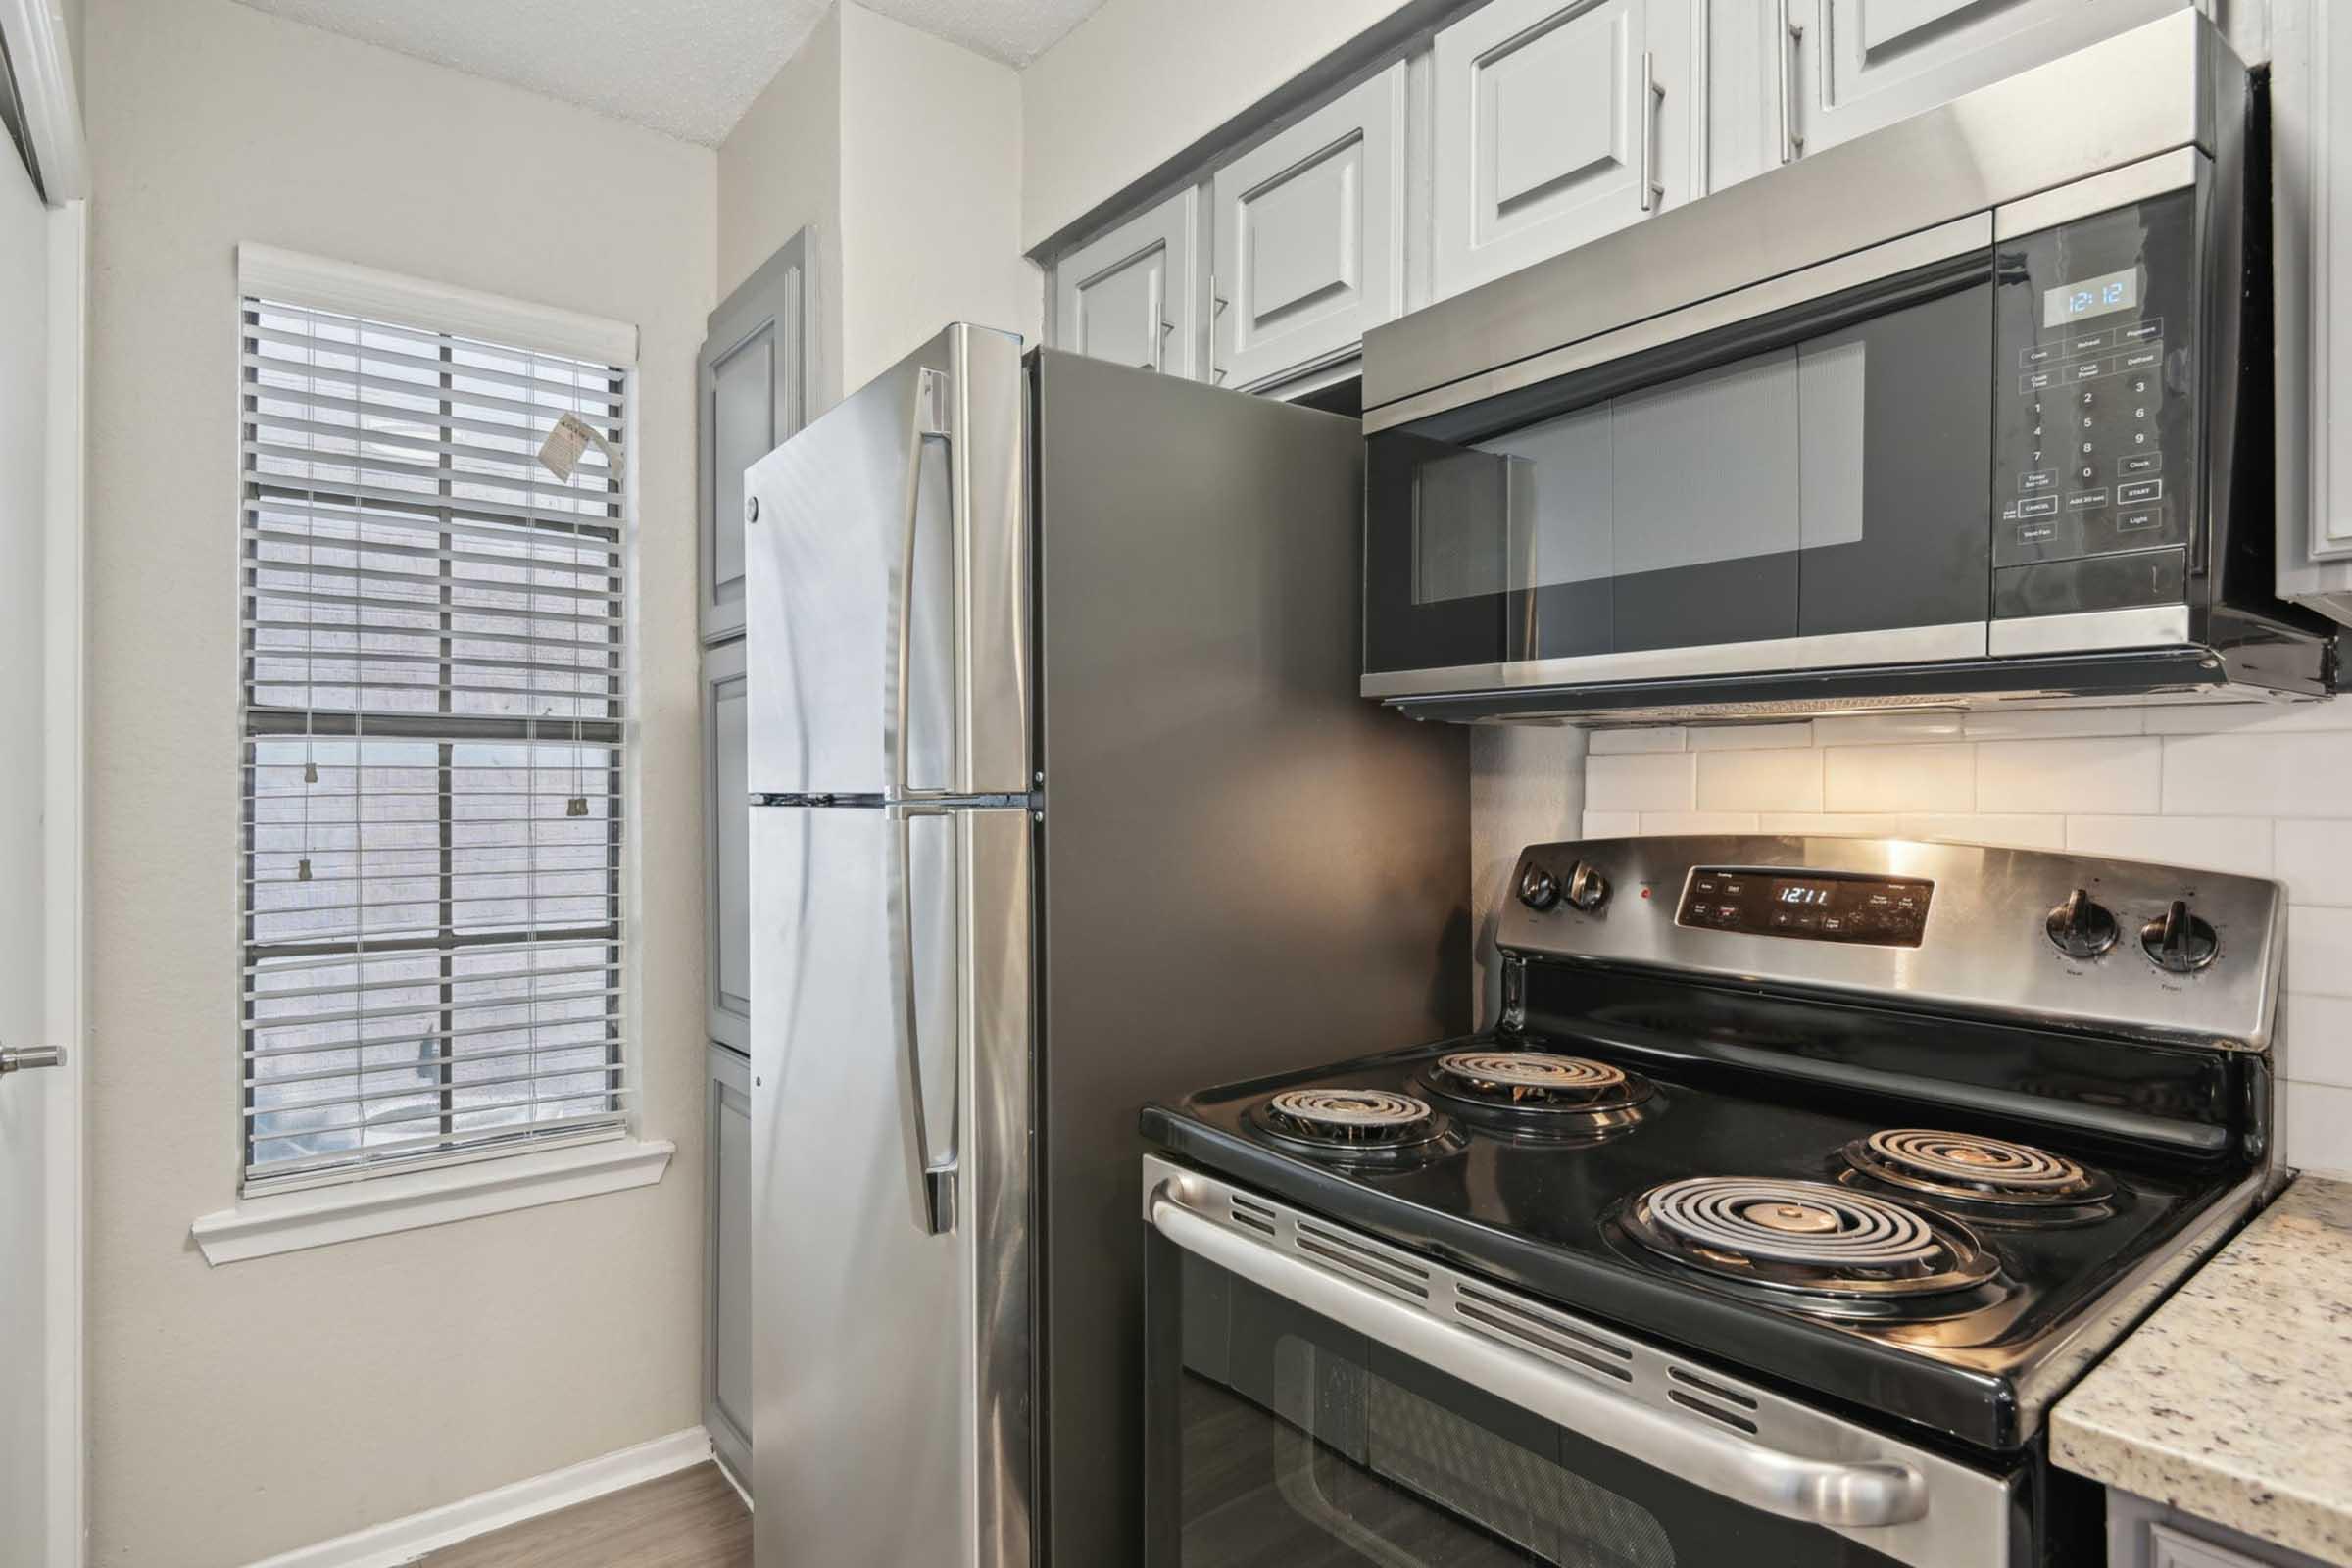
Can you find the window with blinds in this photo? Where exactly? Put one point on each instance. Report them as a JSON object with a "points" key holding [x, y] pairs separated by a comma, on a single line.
{"points": [[433, 754]]}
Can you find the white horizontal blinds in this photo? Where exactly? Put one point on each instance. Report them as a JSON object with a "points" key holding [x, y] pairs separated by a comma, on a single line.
{"points": [[434, 757]]}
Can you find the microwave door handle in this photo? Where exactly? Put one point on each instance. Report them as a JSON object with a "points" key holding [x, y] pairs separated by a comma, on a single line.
{"points": [[932, 1183], [927, 421], [1845, 1495]]}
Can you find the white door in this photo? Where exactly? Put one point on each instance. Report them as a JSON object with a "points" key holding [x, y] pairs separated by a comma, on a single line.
{"points": [[1863, 63], [1309, 229], [1557, 121], [39, 1235], [1133, 296]]}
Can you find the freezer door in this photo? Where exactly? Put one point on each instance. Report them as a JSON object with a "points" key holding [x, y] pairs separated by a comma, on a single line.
{"points": [[887, 585], [891, 1295]]}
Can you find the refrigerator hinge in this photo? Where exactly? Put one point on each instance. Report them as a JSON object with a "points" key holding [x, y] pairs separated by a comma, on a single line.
{"points": [[931, 402]]}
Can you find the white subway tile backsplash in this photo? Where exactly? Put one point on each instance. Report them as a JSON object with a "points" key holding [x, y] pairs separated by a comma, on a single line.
{"points": [[1750, 737], [1612, 824], [2263, 773], [2261, 719], [1628, 742], [2315, 861], [1886, 729], [2318, 952], [2034, 723], [2319, 1127], [1655, 781], [1898, 779], [1874, 825], [2319, 1037], [2238, 845], [2119, 774], [2016, 830], [1760, 781], [1699, 822]]}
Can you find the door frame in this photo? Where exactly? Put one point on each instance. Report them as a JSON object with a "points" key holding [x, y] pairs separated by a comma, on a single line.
{"points": [[65, 866]]}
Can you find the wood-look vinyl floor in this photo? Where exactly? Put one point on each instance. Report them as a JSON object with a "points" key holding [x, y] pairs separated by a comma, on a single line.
{"points": [[693, 1519]]}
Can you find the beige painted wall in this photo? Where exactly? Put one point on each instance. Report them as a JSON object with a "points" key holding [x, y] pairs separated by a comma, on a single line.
{"points": [[902, 153], [240, 1411], [1140, 80], [779, 171]]}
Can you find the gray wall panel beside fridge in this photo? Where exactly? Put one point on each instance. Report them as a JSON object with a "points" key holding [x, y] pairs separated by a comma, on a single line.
{"points": [[1247, 867], [969, 975]]}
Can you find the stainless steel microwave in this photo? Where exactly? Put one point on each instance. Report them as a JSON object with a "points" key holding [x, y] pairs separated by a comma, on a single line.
{"points": [[1973, 410]]}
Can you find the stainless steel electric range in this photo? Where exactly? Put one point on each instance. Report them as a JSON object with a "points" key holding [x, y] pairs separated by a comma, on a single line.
{"points": [[1800, 1178]]}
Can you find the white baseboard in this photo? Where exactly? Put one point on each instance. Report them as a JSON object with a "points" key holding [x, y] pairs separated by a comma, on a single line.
{"points": [[404, 1540]]}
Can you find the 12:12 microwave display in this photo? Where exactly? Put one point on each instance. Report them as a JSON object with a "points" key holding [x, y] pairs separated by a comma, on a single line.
{"points": [[2102, 295]]}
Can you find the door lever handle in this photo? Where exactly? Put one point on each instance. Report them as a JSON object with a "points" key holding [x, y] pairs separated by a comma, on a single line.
{"points": [[31, 1056]]}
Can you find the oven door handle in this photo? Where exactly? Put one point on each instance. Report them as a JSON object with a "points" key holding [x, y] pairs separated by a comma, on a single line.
{"points": [[1839, 1494]]}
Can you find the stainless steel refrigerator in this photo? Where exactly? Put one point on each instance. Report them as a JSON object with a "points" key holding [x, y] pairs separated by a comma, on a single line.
{"points": [[1063, 801]]}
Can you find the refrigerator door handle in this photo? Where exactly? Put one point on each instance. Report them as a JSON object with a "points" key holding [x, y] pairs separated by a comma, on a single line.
{"points": [[932, 1183], [927, 421]]}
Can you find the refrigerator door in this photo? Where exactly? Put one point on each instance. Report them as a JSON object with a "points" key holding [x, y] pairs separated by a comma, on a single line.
{"points": [[891, 1186], [887, 585]]}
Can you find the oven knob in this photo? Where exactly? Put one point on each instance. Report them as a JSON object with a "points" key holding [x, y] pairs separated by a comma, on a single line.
{"points": [[1538, 889], [2180, 942], [1588, 889], [2081, 927]]}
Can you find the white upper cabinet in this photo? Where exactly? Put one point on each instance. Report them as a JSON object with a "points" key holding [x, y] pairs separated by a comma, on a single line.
{"points": [[1133, 296], [1857, 65], [1557, 124], [1310, 237]]}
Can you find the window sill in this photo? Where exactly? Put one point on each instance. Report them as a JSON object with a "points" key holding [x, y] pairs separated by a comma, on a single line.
{"points": [[289, 1222]]}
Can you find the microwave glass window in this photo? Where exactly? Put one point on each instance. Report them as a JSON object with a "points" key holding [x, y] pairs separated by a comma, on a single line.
{"points": [[1756, 458], [2102, 295]]}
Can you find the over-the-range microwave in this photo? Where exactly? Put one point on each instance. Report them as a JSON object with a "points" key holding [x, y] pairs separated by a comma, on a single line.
{"points": [[1975, 409]]}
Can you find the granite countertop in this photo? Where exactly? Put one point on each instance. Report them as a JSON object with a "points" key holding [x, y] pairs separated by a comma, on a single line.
{"points": [[2234, 1400]]}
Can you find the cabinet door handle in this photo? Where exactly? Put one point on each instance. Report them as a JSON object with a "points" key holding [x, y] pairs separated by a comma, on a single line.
{"points": [[1653, 100], [1792, 32]]}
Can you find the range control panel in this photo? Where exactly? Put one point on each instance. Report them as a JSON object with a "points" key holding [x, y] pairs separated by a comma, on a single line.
{"points": [[2051, 938], [1813, 907], [2095, 415]]}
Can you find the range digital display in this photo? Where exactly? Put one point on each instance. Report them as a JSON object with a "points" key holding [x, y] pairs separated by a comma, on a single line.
{"points": [[1822, 907], [2086, 297]]}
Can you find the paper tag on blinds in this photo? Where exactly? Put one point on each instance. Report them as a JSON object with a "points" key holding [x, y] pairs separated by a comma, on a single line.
{"points": [[561, 451]]}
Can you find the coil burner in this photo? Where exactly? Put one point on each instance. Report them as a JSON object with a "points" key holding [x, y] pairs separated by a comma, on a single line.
{"points": [[1367, 1125], [2010, 1181], [1815, 1246], [1538, 1093]]}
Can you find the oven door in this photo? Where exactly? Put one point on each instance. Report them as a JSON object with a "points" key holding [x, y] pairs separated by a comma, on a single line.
{"points": [[1795, 476], [1318, 1401]]}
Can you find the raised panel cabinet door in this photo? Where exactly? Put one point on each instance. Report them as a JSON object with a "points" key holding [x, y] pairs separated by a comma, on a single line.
{"points": [[1857, 65], [750, 381], [726, 845], [1309, 236], [1132, 295], [727, 1358], [1557, 124]]}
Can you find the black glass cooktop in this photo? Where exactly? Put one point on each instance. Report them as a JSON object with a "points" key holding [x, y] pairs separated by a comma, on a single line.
{"points": [[1990, 1265]]}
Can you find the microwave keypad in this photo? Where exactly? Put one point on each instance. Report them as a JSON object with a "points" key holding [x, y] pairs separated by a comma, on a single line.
{"points": [[2096, 417]]}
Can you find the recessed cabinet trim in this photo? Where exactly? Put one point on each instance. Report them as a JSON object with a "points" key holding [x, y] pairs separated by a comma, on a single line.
{"points": [[727, 1267], [1133, 295], [750, 386], [1310, 237], [726, 847]]}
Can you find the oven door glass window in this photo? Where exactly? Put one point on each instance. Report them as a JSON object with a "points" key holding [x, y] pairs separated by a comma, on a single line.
{"points": [[1280, 1439], [1834, 482]]}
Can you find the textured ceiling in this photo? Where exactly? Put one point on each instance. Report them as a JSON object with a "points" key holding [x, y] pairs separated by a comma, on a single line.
{"points": [[686, 67]]}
